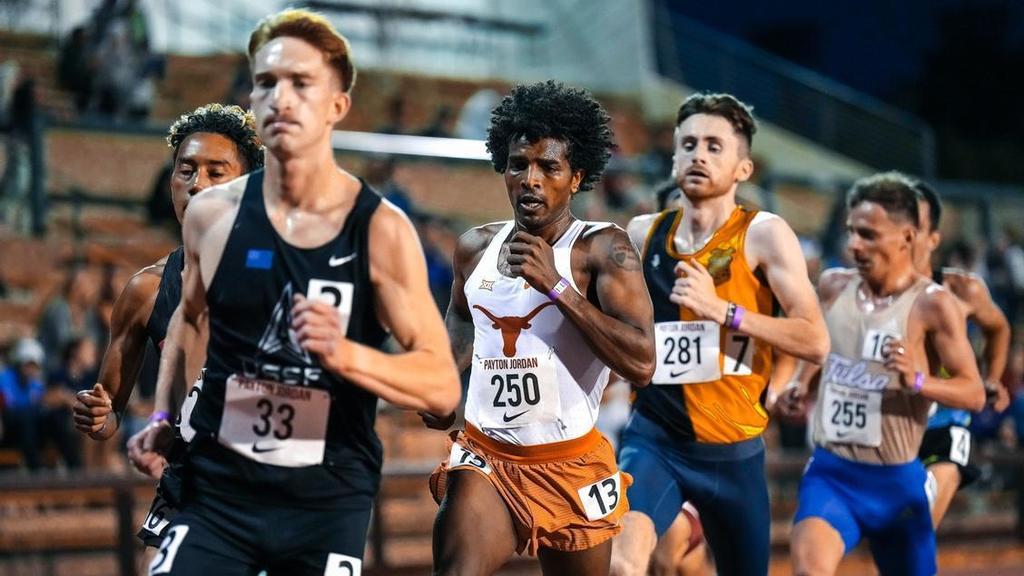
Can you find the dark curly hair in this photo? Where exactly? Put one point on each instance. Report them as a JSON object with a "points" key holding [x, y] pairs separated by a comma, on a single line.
{"points": [[230, 121], [553, 110]]}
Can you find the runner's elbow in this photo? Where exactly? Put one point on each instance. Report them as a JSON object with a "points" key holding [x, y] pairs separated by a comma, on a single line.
{"points": [[640, 370], [818, 348], [977, 398], [446, 397]]}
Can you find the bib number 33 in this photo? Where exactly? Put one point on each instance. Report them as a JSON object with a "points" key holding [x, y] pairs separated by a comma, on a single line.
{"points": [[274, 423]]}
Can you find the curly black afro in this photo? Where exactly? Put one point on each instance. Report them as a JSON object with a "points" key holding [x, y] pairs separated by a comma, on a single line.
{"points": [[230, 121], [551, 109]]}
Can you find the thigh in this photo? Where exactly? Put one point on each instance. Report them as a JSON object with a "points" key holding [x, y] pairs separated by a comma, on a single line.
{"points": [[815, 547], [473, 532], [656, 492], [907, 544], [906, 550], [321, 542], [592, 561], [737, 520], [193, 545]]}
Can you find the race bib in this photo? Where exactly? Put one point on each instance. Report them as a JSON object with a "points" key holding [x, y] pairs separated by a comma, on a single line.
{"points": [[514, 392], [687, 352], [602, 497], [274, 423], [876, 344], [852, 416], [188, 433], [460, 456]]}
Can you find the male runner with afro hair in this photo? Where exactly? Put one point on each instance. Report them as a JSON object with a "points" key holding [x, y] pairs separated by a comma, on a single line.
{"points": [[543, 306]]}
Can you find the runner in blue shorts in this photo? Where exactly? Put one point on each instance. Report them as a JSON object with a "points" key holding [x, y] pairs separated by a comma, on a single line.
{"points": [[884, 319]]}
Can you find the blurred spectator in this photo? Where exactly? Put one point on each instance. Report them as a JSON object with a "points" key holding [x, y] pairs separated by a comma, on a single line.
{"points": [[33, 415], [125, 73], [17, 122], [1013, 378], [74, 72], [78, 367], [441, 126], [475, 116], [438, 246], [241, 86], [380, 174], [71, 313], [117, 66], [396, 117], [656, 163]]}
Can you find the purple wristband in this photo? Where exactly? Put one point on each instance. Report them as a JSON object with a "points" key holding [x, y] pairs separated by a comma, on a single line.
{"points": [[737, 317], [159, 416], [557, 290], [918, 382]]}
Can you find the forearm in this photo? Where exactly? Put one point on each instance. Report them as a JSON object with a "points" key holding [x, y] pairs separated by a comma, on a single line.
{"points": [[794, 336], [957, 392], [625, 349], [416, 380], [997, 350]]}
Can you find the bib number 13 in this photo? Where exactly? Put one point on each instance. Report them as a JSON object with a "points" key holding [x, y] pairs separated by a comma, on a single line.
{"points": [[602, 497]]}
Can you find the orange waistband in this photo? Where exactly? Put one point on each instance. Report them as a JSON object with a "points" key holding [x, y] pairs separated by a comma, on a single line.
{"points": [[539, 453]]}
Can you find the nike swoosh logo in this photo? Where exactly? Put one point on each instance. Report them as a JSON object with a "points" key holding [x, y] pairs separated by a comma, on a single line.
{"points": [[508, 418], [334, 262], [257, 450], [678, 374]]}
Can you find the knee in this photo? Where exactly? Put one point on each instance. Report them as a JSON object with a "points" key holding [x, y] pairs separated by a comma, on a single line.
{"points": [[623, 566], [807, 563]]}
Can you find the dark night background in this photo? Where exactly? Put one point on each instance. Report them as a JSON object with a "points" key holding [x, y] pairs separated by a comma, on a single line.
{"points": [[955, 63]]}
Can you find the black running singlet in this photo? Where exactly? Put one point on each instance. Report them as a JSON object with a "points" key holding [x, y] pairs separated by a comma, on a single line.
{"points": [[167, 297], [252, 351]]}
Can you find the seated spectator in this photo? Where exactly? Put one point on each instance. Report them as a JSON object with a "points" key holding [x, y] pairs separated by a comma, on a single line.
{"points": [[31, 415], [78, 367], [71, 312], [74, 71], [441, 127]]}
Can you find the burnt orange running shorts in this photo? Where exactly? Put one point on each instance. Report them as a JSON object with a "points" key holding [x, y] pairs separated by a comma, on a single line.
{"points": [[566, 496]]}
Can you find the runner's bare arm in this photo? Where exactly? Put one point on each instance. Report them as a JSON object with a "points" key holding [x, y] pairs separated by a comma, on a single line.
{"points": [[121, 363], [204, 237], [459, 320], [621, 331], [947, 331], [773, 248], [993, 324], [424, 376]]}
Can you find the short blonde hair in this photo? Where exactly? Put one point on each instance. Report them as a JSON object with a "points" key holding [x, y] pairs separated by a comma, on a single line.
{"points": [[312, 28]]}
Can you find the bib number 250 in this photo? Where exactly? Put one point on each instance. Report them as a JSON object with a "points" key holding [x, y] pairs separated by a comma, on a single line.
{"points": [[512, 391]]}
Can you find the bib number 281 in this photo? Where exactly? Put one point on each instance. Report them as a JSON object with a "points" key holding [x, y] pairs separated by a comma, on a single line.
{"points": [[602, 497]]}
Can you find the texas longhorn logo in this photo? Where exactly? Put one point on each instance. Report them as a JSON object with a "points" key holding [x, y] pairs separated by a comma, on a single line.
{"points": [[511, 326]]}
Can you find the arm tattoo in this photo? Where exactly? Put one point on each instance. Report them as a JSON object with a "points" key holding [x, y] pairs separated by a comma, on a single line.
{"points": [[624, 255]]}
